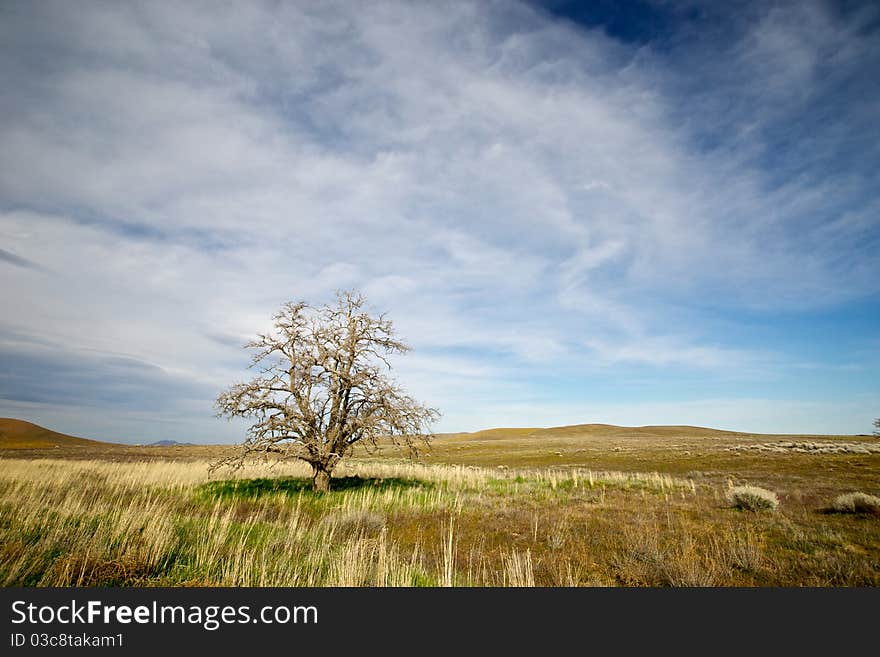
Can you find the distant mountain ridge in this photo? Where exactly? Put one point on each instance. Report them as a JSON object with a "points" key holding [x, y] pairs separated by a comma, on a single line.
{"points": [[588, 430], [167, 443]]}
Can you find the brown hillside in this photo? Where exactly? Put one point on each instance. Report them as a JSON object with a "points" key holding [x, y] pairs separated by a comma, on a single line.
{"points": [[590, 430], [610, 429], [18, 434], [492, 434]]}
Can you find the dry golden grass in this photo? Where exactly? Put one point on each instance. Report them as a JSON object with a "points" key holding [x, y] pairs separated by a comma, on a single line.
{"points": [[398, 523]]}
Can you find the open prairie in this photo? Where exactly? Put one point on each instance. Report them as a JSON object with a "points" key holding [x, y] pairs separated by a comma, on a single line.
{"points": [[589, 505]]}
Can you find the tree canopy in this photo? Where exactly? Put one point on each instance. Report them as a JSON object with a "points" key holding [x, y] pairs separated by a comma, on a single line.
{"points": [[324, 386]]}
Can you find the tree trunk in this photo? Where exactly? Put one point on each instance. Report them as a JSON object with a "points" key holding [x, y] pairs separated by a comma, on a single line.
{"points": [[320, 478]]}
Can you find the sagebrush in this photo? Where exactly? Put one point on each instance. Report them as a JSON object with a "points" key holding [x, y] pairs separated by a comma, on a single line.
{"points": [[752, 498]]}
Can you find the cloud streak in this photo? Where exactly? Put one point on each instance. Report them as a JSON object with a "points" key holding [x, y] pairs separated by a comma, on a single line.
{"points": [[17, 261]]}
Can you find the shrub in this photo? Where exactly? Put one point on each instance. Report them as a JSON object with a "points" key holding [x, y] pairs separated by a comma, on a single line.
{"points": [[856, 503], [752, 498]]}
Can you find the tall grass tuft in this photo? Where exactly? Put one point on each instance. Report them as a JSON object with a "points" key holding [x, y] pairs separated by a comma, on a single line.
{"points": [[518, 570]]}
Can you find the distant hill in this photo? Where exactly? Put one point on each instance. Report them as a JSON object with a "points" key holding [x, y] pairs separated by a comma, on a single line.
{"points": [[167, 443], [585, 430], [18, 434]]}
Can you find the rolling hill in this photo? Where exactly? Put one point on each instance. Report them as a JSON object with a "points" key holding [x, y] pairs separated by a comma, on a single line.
{"points": [[19, 434], [590, 430], [534, 443]]}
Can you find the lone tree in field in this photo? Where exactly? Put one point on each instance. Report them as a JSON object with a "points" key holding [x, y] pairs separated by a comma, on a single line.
{"points": [[877, 427], [323, 387]]}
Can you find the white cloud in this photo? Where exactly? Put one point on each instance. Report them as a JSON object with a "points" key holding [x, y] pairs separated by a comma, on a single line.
{"points": [[663, 351], [504, 185]]}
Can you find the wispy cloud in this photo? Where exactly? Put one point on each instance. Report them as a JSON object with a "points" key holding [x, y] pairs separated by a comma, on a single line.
{"points": [[531, 198]]}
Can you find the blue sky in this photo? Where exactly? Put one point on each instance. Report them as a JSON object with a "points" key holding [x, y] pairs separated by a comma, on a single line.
{"points": [[636, 213]]}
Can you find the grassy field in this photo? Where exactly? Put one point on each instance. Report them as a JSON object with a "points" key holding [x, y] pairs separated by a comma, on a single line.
{"points": [[574, 506]]}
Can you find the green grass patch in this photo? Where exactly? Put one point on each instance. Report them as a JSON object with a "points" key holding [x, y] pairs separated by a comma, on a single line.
{"points": [[293, 486]]}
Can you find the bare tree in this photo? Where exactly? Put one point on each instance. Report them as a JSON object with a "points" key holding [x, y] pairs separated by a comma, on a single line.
{"points": [[324, 387], [877, 427]]}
